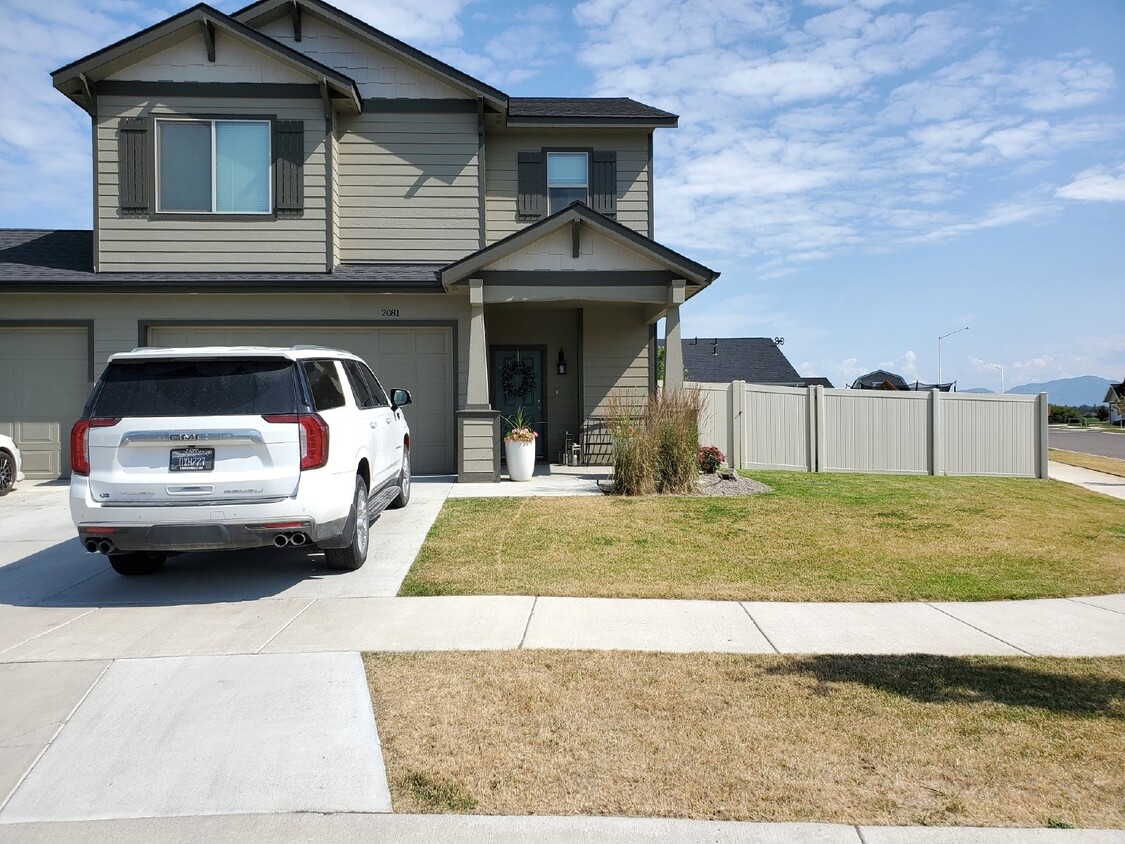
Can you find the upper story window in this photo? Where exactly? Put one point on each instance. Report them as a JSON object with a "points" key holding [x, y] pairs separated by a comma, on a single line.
{"points": [[567, 179], [213, 166]]}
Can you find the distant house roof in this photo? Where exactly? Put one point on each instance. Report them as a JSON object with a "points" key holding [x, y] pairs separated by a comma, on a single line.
{"points": [[578, 110], [1114, 392], [33, 260], [817, 382], [756, 360]]}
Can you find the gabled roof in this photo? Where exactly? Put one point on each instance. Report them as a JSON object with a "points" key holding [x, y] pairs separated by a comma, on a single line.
{"points": [[585, 111], [37, 260], [1114, 392], [689, 270], [268, 9], [757, 360], [72, 79]]}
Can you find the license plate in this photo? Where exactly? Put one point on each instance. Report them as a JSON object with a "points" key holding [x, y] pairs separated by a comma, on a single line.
{"points": [[192, 460]]}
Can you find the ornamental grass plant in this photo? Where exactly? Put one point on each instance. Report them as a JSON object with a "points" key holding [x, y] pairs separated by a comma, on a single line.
{"points": [[655, 441]]}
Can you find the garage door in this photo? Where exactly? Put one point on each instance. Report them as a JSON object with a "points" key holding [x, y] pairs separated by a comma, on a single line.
{"points": [[416, 358], [43, 386]]}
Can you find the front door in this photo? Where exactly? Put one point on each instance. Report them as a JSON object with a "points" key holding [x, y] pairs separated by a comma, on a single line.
{"points": [[517, 377]]}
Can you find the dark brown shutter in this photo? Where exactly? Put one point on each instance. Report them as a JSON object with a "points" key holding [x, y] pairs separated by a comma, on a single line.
{"points": [[288, 165], [134, 172], [532, 185], [603, 182]]}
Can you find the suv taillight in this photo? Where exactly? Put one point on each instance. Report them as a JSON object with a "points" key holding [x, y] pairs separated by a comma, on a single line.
{"points": [[314, 437], [80, 443]]}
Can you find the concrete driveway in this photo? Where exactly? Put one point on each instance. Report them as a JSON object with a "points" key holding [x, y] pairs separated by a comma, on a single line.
{"points": [[42, 564]]}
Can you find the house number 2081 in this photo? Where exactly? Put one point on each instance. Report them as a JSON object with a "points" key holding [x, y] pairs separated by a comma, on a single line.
{"points": [[390, 311]]}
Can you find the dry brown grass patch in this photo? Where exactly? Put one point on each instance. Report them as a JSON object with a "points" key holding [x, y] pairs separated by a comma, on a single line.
{"points": [[1109, 465], [856, 740]]}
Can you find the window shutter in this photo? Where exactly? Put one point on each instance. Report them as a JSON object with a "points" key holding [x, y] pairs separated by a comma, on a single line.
{"points": [[288, 165], [532, 185], [134, 171], [603, 182]]}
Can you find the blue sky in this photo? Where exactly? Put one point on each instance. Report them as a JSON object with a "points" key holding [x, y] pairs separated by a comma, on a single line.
{"points": [[866, 175]]}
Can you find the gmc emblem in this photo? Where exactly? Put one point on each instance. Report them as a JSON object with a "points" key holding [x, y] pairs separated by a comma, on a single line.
{"points": [[183, 437]]}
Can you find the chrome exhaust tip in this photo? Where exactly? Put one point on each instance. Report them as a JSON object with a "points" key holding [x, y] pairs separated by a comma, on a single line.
{"points": [[105, 546], [299, 539], [91, 545], [281, 540]]}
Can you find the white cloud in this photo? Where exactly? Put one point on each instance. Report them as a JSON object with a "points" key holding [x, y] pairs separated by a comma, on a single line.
{"points": [[432, 22], [1098, 184]]}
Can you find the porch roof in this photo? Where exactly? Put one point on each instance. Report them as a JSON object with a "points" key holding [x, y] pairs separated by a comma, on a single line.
{"points": [[578, 215]]}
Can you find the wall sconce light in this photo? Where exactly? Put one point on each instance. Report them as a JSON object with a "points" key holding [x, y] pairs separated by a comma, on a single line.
{"points": [[561, 363]]}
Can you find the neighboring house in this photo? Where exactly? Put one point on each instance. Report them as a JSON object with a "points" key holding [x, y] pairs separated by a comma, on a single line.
{"points": [[1115, 392], [755, 360], [288, 174], [881, 379]]}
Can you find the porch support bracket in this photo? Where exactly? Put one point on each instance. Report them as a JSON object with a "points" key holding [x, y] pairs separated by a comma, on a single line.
{"points": [[209, 39]]}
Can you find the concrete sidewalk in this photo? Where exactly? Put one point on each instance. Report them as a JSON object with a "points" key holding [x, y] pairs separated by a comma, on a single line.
{"points": [[1093, 626], [1089, 479], [519, 830]]}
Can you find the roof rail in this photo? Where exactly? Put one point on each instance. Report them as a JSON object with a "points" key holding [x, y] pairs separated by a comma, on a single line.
{"points": [[305, 347]]}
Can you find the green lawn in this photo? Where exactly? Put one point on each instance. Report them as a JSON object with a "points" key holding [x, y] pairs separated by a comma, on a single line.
{"points": [[830, 537]]}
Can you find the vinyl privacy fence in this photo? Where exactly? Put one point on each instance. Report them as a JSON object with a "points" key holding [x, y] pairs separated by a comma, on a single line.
{"points": [[815, 429]]}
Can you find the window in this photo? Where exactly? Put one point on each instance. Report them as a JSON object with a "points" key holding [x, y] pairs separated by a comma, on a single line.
{"points": [[214, 166], [365, 387], [324, 381], [567, 179], [222, 387]]}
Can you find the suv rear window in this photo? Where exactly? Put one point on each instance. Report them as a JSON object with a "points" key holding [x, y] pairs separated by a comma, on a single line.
{"points": [[233, 387]]}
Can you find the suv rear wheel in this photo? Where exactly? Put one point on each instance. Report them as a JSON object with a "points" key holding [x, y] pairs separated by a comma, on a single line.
{"points": [[355, 554], [137, 562], [7, 472]]}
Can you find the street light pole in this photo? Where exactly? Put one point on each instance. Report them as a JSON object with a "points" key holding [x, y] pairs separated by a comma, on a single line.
{"points": [[998, 366], [939, 339]]}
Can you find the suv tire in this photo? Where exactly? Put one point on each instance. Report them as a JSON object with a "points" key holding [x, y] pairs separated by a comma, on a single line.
{"points": [[7, 472], [137, 563], [403, 497], [355, 554]]}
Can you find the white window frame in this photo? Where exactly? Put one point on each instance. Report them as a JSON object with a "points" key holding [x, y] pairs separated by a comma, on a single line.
{"points": [[214, 164], [585, 186]]}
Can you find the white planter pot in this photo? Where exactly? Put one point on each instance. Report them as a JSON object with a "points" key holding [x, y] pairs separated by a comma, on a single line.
{"points": [[521, 459]]}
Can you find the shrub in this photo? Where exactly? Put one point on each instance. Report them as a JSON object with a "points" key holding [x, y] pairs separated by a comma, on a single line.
{"points": [[710, 459], [655, 442]]}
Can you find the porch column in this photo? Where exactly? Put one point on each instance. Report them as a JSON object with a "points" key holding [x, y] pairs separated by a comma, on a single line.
{"points": [[476, 396], [673, 351], [478, 425]]}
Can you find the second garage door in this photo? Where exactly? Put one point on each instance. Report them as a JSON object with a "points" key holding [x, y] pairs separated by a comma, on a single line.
{"points": [[44, 382], [416, 358]]}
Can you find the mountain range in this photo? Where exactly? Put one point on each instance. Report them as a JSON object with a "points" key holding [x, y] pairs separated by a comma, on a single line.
{"points": [[1085, 389]]}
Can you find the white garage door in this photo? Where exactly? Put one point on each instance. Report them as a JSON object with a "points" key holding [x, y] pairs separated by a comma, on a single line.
{"points": [[416, 358], [43, 386]]}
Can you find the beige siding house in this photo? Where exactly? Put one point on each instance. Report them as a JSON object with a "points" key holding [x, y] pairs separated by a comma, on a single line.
{"points": [[289, 174]]}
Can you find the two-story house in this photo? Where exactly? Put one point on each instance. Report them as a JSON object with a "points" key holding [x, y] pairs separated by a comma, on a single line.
{"points": [[289, 174]]}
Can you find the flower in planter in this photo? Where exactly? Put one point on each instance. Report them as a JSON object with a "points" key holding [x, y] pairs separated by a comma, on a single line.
{"points": [[520, 429], [710, 459]]}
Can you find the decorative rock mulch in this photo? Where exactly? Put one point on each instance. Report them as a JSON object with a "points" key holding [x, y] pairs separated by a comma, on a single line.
{"points": [[714, 485]]}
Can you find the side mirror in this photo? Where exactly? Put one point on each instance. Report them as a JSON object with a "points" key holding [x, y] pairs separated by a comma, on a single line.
{"points": [[400, 398]]}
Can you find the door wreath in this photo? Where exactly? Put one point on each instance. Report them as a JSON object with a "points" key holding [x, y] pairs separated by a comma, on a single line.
{"points": [[517, 379]]}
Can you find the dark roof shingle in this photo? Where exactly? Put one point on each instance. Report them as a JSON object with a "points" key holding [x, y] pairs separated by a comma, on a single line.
{"points": [[756, 360], [33, 258], [621, 108]]}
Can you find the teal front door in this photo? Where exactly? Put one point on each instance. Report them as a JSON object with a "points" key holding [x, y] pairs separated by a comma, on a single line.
{"points": [[517, 383]]}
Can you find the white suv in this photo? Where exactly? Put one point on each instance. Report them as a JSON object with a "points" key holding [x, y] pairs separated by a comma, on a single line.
{"points": [[236, 447]]}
